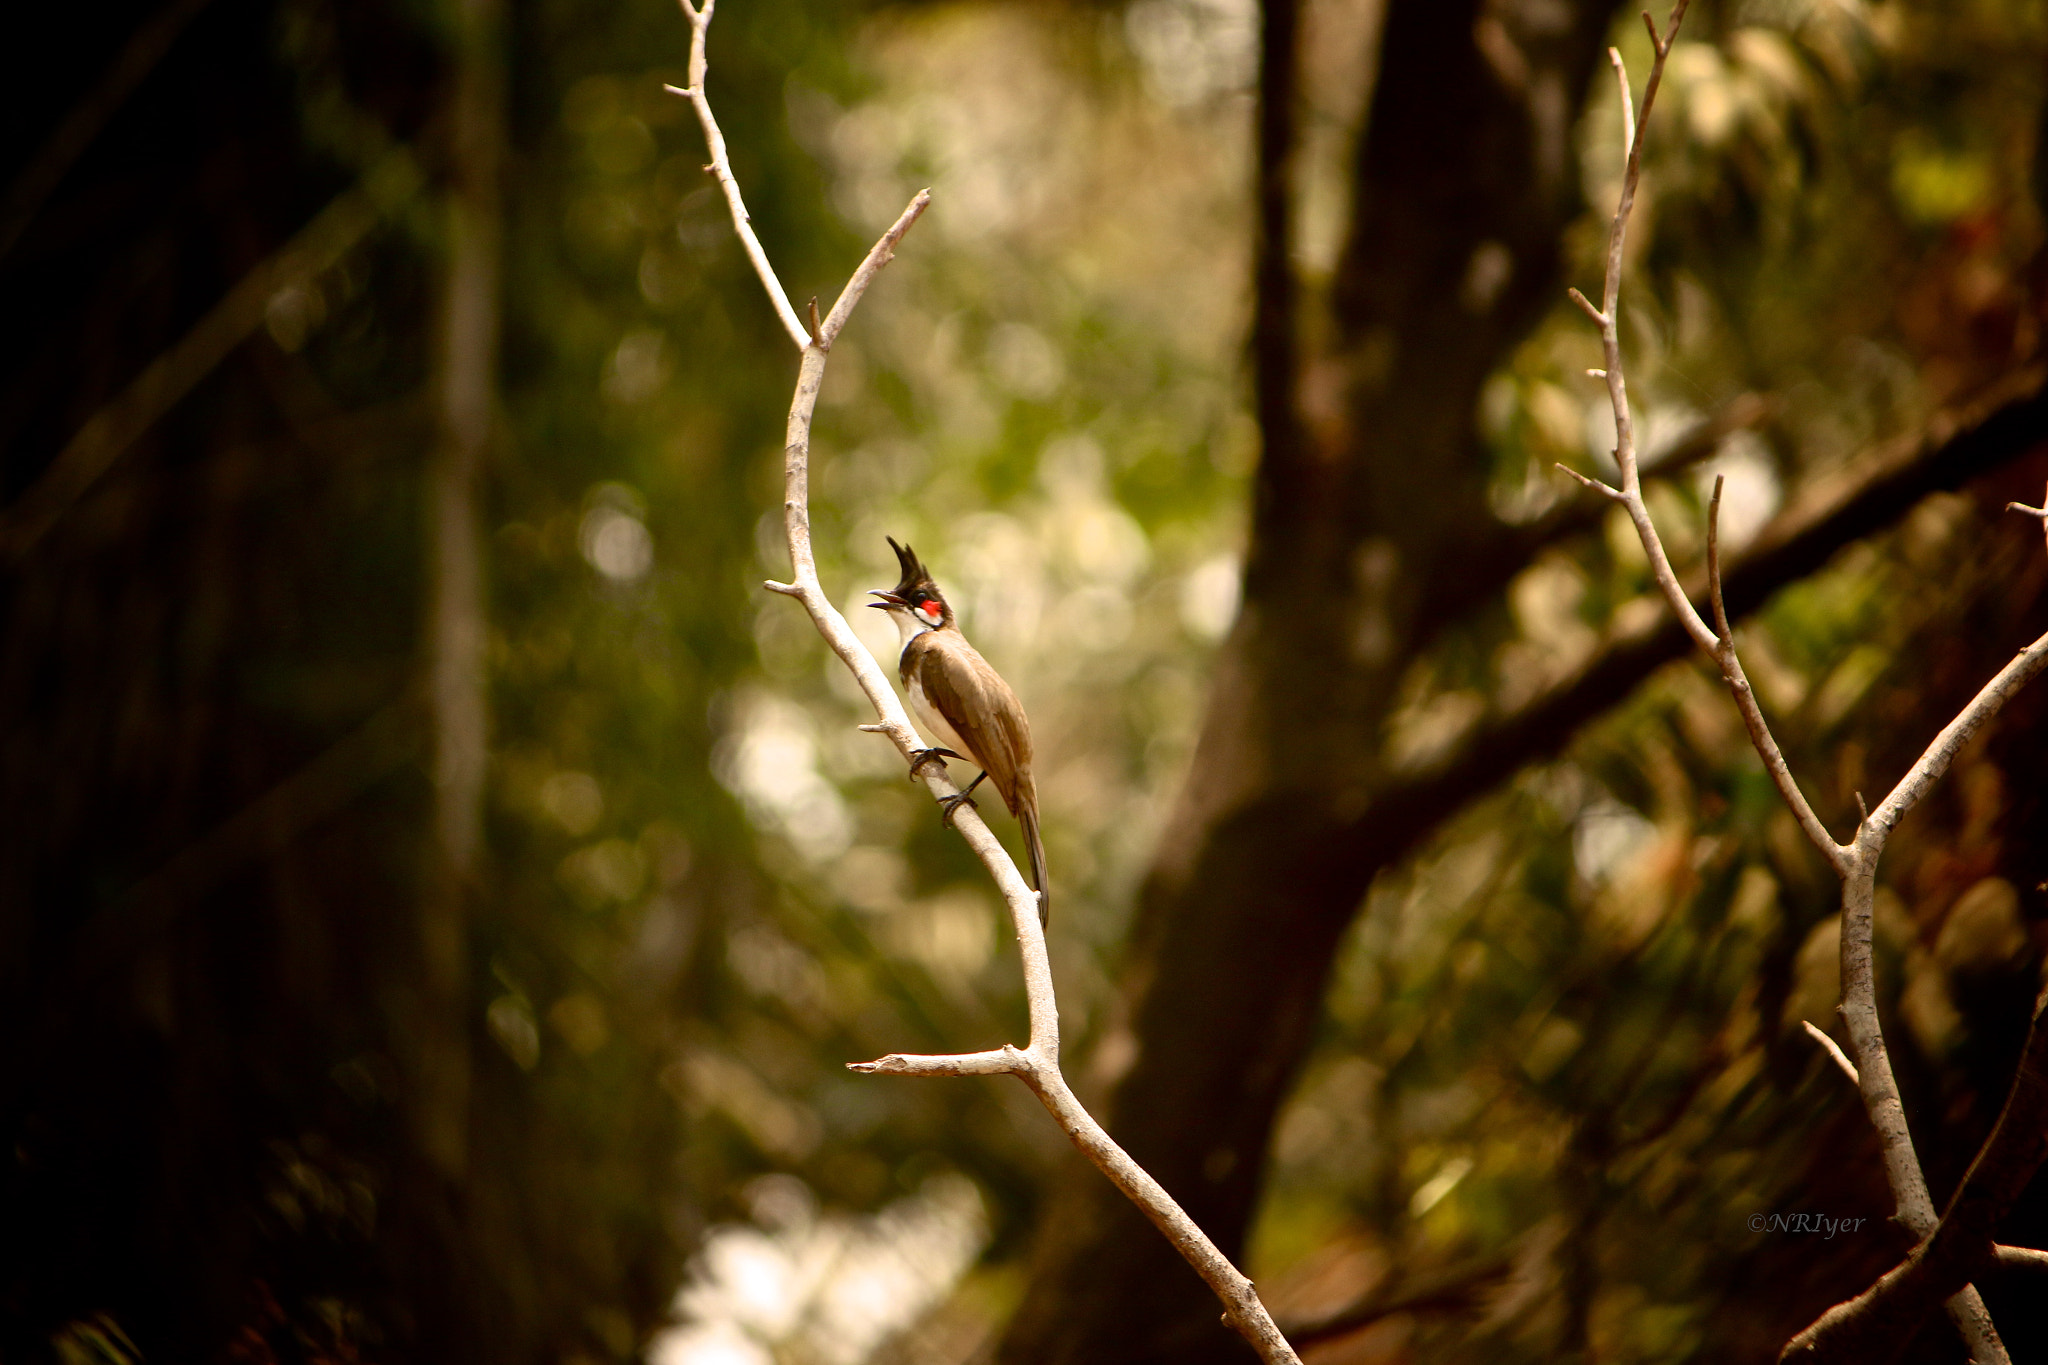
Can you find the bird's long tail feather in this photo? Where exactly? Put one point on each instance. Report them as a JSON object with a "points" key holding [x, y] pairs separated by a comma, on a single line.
{"points": [[1028, 818]]}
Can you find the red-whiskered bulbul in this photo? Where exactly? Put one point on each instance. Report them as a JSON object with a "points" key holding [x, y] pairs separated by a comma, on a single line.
{"points": [[963, 703]]}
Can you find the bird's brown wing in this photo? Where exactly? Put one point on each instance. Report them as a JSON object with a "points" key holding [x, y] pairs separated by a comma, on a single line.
{"points": [[979, 706]]}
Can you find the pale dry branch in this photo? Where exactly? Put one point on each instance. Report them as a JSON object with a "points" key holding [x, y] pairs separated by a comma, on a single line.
{"points": [[1723, 650], [2021, 1258], [721, 169], [1855, 863], [1722, 630], [1833, 1049], [1589, 481], [1002, 1061], [2040, 514], [1628, 109], [1587, 307], [1717, 640], [1942, 752], [1037, 1063]]}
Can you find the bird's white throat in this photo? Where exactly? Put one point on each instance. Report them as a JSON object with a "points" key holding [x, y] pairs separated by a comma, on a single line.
{"points": [[909, 625]]}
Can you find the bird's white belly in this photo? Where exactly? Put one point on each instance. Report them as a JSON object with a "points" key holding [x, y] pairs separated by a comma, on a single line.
{"points": [[935, 724]]}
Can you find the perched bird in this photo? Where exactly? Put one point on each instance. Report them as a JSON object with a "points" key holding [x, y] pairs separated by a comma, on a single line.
{"points": [[964, 703]]}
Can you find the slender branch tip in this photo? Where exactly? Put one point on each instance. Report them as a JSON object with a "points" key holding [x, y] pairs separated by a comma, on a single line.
{"points": [[1723, 632], [1592, 483], [1628, 108], [1833, 1050], [1586, 306]]}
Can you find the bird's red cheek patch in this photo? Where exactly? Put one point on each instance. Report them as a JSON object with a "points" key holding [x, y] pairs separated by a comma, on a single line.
{"points": [[930, 611]]}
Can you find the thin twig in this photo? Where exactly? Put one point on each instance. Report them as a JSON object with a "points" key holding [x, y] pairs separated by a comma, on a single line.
{"points": [[1628, 111], [2040, 514], [1833, 1050], [883, 252], [1037, 1063], [1722, 631], [1595, 484], [1942, 752], [1717, 643]]}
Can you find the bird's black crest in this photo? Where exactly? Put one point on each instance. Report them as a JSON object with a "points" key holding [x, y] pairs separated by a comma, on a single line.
{"points": [[914, 572]]}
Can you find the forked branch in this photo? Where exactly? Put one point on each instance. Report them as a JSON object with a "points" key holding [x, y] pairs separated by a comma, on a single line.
{"points": [[1948, 1255], [1037, 1064]]}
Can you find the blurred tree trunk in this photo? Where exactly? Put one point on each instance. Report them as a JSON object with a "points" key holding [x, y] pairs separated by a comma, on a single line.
{"points": [[1366, 516], [467, 390]]}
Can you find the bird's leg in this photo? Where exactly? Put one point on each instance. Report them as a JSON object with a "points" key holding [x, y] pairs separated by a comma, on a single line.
{"points": [[931, 755], [950, 804]]}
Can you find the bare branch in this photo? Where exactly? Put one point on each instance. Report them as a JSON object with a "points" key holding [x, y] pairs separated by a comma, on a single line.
{"points": [[1002, 1061], [2039, 513], [1242, 1308], [1855, 864], [1833, 1050], [2021, 1258], [1628, 109], [1605, 317], [1595, 484], [1718, 640], [880, 255], [1876, 489], [1037, 1064], [1935, 761], [1663, 44], [721, 170], [1722, 630], [1746, 703]]}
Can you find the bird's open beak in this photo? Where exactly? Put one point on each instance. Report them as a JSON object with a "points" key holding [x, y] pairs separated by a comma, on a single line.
{"points": [[889, 599]]}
